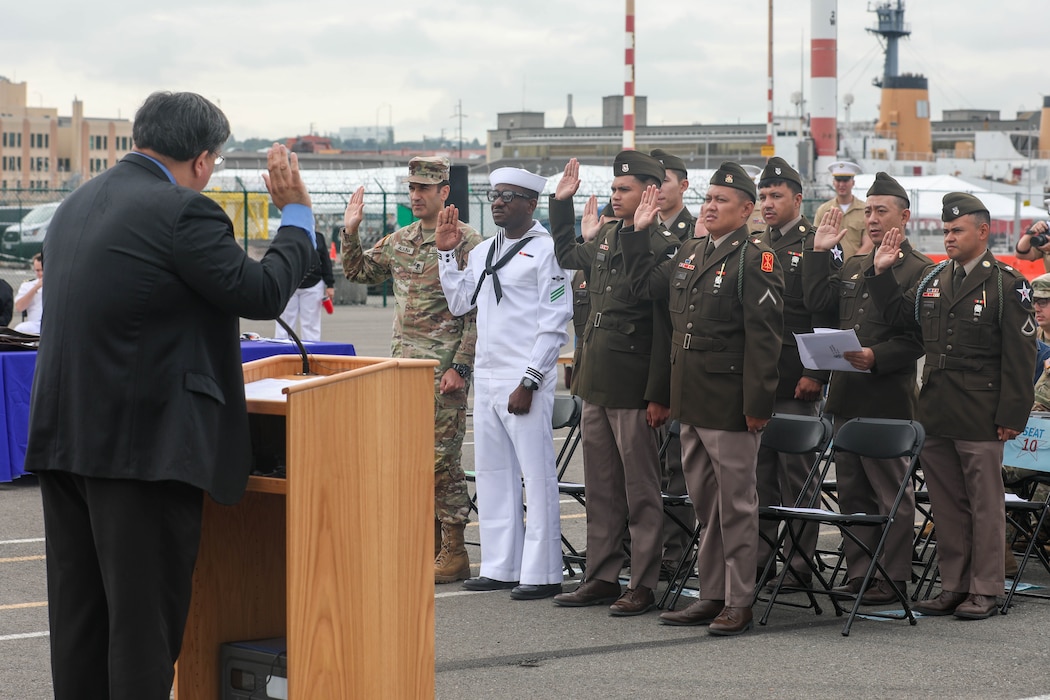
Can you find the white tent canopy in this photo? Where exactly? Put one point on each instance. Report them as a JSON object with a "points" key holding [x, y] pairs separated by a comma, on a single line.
{"points": [[927, 191]]}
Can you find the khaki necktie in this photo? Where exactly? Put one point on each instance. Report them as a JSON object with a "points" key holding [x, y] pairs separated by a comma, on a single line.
{"points": [[957, 278]]}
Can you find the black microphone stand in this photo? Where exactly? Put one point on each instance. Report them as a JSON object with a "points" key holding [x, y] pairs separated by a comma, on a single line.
{"points": [[298, 344]]}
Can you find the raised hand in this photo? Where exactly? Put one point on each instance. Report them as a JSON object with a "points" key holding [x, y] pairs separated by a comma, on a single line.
{"points": [[828, 233], [647, 209], [448, 234], [570, 181], [888, 252], [355, 210], [282, 178], [589, 224]]}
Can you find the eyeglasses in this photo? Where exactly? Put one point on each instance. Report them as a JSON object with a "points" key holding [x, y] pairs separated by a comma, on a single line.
{"points": [[506, 195], [219, 160], [1040, 302]]}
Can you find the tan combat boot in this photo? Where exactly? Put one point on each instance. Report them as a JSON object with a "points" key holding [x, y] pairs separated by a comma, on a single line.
{"points": [[452, 563]]}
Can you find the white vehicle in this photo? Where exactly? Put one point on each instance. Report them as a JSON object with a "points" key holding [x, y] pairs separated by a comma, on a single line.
{"points": [[26, 238]]}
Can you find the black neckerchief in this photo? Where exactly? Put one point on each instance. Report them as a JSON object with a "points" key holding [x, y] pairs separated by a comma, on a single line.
{"points": [[491, 269]]}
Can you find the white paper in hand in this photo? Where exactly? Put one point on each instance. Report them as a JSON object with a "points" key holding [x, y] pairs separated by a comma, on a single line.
{"points": [[824, 348]]}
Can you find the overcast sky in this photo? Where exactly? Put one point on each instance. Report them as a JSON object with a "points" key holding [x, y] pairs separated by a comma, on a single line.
{"points": [[281, 68]]}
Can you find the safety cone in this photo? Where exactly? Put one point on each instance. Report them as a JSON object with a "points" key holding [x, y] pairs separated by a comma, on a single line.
{"points": [[333, 255]]}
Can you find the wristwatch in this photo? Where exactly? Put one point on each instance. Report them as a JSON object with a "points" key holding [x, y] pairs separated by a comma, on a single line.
{"points": [[530, 384], [461, 369]]}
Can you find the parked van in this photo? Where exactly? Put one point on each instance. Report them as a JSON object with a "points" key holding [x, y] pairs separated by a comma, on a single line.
{"points": [[26, 238]]}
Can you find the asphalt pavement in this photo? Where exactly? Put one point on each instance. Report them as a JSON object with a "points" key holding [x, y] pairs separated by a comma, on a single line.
{"points": [[489, 646]]}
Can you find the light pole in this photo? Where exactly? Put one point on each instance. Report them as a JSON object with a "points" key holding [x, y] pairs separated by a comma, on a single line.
{"points": [[390, 121]]}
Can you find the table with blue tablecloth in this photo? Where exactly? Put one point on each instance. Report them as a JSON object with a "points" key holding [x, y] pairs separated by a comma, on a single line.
{"points": [[16, 381]]}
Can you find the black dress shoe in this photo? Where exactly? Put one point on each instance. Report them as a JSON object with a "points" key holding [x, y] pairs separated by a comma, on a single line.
{"points": [[528, 591], [483, 583]]}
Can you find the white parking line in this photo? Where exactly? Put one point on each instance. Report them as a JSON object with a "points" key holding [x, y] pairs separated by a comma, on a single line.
{"points": [[26, 635], [29, 541]]}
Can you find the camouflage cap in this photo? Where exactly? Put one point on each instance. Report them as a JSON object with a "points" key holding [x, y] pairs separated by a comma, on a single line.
{"points": [[428, 170], [886, 185], [638, 164], [730, 174], [778, 169], [1041, 287], [669, 161], [956, 204]]}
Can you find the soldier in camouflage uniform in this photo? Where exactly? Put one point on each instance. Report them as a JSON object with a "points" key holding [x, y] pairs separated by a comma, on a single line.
{"points": [[425, 328]]}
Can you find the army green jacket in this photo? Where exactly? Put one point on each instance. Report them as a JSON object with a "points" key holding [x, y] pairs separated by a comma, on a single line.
{"points": [[980, 346], [791, 248], [727, 317], [891, 390], [624, 360]]}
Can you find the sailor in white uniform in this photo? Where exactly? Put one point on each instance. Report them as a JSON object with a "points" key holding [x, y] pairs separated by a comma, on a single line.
{"points": [[524, 306]]}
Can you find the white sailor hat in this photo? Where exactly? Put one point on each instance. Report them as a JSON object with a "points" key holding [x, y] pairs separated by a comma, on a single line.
{"points": [[519, 177], [844, 168]]}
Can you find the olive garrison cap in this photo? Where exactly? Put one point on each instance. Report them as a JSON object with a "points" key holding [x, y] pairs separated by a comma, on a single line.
{"points": [[638, 164], [778, 169], [884, 184], [670, 161], [730, 174], [958, 204], [1041, 287]]}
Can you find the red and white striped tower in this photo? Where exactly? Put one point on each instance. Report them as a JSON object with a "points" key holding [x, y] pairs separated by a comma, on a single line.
{"points": [[823, 99], [768, 151], [628, 82]]}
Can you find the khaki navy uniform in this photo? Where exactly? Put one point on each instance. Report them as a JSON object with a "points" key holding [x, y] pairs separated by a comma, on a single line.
{"points": [[852, 221], [727, 315], [891, 390], [980, 350]]}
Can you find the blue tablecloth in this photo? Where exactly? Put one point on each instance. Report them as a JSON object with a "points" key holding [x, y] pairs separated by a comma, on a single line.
{"points": [[16, 381]]}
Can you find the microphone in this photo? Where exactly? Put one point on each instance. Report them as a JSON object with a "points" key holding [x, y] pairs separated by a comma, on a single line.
{"points": [[298, 344]]}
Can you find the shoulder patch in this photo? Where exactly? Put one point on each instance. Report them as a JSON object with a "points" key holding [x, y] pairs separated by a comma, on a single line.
{"points": [[1023, 290], [767, 261], [838, 257]]}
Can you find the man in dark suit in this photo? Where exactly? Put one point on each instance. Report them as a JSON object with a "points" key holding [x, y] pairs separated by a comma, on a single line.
{"points": [[623, 379], [725, 296], [883, 387], [138, 400]]}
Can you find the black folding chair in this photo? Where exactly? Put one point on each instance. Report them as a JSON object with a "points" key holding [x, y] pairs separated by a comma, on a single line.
{"points": [[875, 439], [799, 435], [1029, 518], [783, 433]]}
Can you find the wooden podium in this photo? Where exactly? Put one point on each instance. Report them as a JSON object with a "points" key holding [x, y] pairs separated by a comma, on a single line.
{"points": [[337, 557]]}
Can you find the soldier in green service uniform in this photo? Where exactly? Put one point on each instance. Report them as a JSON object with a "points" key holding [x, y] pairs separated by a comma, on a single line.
{"points": [[725, 295], [979, 336], [782, 477], [673, 221], [425, 328], [623, 379], [885, 385]]}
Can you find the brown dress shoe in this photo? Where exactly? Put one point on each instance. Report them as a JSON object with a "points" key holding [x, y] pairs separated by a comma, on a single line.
{"points": [[634, 601], [731, 622], [849, 590], [882, 592], [977, 607], [700, 612], [944, 604], [590, 592]]}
